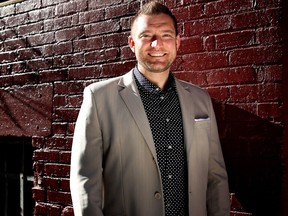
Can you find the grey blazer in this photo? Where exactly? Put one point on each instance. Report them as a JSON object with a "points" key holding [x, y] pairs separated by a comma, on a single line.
{"points": [[113, 161]]}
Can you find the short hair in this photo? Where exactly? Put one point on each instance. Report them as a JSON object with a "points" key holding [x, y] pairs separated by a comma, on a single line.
{"points": [[155, 8]]}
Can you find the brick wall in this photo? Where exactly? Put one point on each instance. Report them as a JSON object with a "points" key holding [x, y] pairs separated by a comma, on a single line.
{"points": [[51, 50]]}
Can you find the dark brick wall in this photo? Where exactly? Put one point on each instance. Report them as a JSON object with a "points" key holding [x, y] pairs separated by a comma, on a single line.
{"points": [[50, 50]]}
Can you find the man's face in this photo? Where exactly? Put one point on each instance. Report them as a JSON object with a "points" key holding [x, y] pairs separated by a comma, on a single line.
{"points": [[155, 43]]}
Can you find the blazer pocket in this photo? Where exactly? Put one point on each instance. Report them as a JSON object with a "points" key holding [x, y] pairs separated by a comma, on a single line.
{"points": [[202, 122]]}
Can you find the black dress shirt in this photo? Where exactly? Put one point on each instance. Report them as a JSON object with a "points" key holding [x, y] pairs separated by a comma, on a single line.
{"points": [[164, 115]]}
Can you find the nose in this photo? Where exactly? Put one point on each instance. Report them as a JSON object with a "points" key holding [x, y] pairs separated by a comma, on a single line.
{"points": [[156, 42]]}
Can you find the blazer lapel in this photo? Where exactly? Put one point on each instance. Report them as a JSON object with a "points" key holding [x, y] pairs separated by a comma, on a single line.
{"points": [[187, 115], [132, 99]]}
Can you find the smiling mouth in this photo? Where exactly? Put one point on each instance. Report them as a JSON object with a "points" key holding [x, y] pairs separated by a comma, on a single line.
{"points": [[157, 54]]}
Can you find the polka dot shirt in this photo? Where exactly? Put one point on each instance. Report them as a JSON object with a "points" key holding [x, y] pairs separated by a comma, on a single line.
{"points": [[164, 114]]}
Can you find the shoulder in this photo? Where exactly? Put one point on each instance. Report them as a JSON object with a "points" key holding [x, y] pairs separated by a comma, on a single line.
{"points": [[110, 83], [192, 89]]}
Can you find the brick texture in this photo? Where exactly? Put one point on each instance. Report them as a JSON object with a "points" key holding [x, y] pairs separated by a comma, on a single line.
{"points": [[51, 50]]}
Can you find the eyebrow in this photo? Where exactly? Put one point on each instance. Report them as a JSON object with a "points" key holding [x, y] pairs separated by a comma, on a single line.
{"points": [[164, 31]]}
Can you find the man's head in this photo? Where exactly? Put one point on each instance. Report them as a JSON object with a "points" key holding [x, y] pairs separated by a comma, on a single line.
{"points": [[154, 38], [155, 8]]}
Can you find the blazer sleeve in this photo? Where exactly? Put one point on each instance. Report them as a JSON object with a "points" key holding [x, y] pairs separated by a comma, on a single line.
{"points": [[218, 201], [86, 160]]}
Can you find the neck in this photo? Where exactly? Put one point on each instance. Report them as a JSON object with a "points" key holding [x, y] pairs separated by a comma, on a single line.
{"points": [[159, 79]]}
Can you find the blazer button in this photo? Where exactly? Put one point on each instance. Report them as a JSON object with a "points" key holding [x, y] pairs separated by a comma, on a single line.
{"points": [[157, 195]]}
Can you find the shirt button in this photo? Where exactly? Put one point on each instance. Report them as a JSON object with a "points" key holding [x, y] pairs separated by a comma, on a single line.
{"points": [[157, 195]]}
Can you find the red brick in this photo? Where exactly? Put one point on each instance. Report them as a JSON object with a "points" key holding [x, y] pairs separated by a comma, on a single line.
{"points": [[53, 75], [6, 80], [90, 43], [231, 76], [209, 43], [227, 6], [59, 128], [41, 14], [7, 10], [57, 170], [270, 35], [63, 48], [270, 111], [69, 34], [28, 53], [91, 16], [99, 56], [75, 100], [16, 20], [190, 45], [27, 6], [60, 101], [7, 34], [235, 39], [116, 40], [65, 114], [256, 55], [59, 197], [47, 209], [18, 67], [14, 44], [206, 26], [189, 12], [65, 184], [39, 64], [39, 194], [126, 53], [102, 27], [84, 72], [52, 183], [270, 92], [245, 94], [25, 78], [269, 73], [8, 56], [125, 23], [114, 69], [204, 61], [219, 93], [38, 142], [46, 155], [121, 10], [59, 143], [41, 39], [68, 211], [255, 18], [102, 4], [65, 157], [195, 77], [71, 128], [69, 87]]}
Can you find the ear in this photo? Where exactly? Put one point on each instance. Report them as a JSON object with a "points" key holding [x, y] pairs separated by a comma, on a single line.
{"points": [[178, 42], [131, 43]]}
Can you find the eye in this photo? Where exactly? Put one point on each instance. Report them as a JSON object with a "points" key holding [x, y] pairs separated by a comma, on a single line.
{"points": [[167, 35], [145, 36]]}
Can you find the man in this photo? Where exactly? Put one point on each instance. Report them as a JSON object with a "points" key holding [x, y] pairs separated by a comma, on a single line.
{"points": [[146, 144]]}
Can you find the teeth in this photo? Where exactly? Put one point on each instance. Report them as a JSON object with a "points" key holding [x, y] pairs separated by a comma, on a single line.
{"points": [[157, 55]]}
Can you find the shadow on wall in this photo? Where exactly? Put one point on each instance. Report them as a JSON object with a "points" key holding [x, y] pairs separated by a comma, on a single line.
{"points": [[252, 151]]}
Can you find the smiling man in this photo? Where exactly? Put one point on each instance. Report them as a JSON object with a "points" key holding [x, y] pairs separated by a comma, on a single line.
{"points": [[146, 143]]}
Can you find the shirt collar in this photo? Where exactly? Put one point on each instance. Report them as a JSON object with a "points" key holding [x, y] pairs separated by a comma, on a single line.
{"points": [[148, 86]]}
